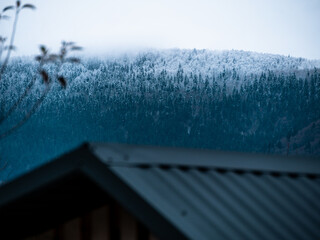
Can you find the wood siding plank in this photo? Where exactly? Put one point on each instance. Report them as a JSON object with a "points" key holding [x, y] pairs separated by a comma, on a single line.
{"points": [[100, 224], [71, 230], [128, 226]]}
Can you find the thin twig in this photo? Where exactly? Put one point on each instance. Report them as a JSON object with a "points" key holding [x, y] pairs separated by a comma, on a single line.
{"points": [[6, 61], [18, 102], [29, 114], [1, 50], [21, 98]]}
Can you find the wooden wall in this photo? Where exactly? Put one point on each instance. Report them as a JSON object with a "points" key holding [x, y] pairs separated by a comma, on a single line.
{"points": [[110, 222]]}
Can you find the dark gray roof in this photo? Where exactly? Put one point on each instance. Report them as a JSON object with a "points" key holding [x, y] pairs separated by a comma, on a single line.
{"points": [[201, 194], [223, 195]]}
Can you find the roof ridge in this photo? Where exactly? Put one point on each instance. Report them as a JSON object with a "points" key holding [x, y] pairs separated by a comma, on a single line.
{"points": [[207, 159], [201, 168]]}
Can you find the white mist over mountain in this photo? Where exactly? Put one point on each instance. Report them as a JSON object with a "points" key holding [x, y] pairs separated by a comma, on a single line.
{"points": [[287, 27]]}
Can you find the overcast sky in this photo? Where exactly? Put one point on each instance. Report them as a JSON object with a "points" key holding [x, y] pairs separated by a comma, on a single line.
{"points": [[288, 27]]}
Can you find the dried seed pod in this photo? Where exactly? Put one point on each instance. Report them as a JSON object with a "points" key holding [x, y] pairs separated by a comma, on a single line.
{"points": [[43, 49], [4, 17], [30, 6], [76, 48], [8, 8], [73, 60], [2, 39], [38, 58], [44, 76], [62, 81]]}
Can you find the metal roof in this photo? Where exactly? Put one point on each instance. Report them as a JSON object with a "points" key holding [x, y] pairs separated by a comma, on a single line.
{"points": [[198, 194], [223, 195]]}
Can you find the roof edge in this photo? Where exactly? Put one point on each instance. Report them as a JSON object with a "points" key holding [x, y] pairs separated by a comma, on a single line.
{"points": [[148, 156], [82, 160], [46, 173]]}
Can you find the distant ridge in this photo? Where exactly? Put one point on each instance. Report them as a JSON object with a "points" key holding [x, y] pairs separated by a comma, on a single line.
{"points": [[207, 61]]}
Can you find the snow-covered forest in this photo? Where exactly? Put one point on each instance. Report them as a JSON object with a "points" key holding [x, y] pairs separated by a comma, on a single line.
{"points": [[227, 100]]}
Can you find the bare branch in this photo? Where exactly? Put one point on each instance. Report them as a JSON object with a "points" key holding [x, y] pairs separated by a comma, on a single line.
{"points": [[2, 41], [18, 102], [14, 28], [13, 48], [29, 114], [43, 58]]}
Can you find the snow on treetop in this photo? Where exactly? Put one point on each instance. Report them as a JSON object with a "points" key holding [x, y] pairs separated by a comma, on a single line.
{"points": [[209, 61]]}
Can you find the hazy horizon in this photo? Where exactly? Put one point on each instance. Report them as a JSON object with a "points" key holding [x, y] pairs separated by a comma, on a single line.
{"points": [[285, 27], [136, 51]]}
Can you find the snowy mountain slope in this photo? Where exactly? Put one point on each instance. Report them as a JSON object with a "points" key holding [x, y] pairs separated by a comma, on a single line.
{"points": [[230, 67], [116, 99], [208, 61]]}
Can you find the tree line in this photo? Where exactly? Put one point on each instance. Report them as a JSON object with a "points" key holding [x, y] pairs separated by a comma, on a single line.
{"points": [[127, 102]]}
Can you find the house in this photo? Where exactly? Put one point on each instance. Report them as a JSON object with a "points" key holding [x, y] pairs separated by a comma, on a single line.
{"points": [[115, 191]]}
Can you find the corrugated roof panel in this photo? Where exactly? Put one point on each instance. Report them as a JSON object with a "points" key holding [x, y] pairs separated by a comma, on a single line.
{"points": [[282, 207], [221, 193], [287, 192], [240, 191], [149, 184], [243, 208], [205, 194], [230, 205]]}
